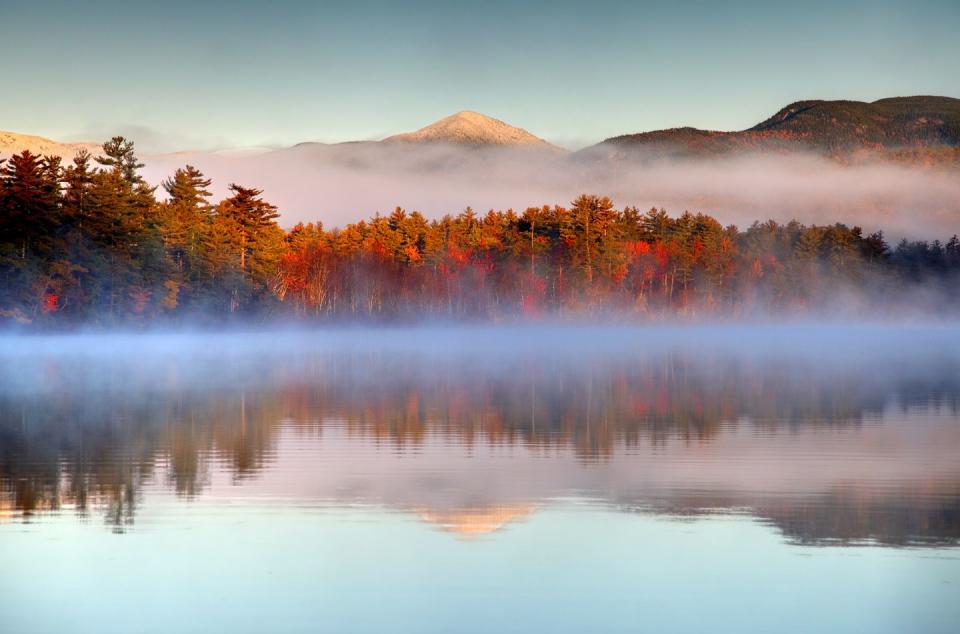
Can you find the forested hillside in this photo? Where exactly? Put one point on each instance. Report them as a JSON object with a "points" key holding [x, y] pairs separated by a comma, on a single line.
{"points": [[919, 129], [91, 243]]}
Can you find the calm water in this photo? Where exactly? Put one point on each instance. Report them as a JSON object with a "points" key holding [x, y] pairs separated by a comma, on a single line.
{"points": [[483, 480]]}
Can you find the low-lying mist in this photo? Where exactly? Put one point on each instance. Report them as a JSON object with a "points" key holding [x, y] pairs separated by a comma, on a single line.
{"points": [[194, 360], [338, 184]]}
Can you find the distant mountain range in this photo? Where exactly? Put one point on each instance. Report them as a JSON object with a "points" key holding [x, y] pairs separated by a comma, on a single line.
{"points": [[832, 128], [835, 128]]}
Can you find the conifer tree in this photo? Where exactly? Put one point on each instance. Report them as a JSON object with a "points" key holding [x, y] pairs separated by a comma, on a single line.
{"points": [[246, 224]]}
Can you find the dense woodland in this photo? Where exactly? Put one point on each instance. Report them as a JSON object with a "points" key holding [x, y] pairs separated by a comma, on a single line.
{"points": [[91, 243]]}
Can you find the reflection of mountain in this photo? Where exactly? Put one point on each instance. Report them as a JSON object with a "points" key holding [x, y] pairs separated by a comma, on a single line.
{"points": [[854, 449], [906, 516], [914, 512], [476, 521]]}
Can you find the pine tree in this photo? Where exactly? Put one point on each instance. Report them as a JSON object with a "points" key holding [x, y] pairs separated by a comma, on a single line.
{"points": [[119, 157], [30, 204], [29, 220], [186, 220], [77, 180], [247, 223], [130, 263]]}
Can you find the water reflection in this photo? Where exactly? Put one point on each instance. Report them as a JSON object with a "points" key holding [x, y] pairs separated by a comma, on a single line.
{"points": [[846, 441]]}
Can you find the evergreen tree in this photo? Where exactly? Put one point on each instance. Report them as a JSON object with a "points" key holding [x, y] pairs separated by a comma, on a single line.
{"points": [[246, 224], [187, 217], [120, 158]]}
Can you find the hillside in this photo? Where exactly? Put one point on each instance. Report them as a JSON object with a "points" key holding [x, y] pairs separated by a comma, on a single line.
{"points": [[14, 143], [838, 128]]}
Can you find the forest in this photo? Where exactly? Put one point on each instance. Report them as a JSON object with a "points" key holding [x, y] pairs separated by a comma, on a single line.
{"points": [[90, 243]]}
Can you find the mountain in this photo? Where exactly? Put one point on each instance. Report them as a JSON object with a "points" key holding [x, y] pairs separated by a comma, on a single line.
{"points": [[472, 129], [836, 128], [894, 122], [465, 142], [13, 143]]}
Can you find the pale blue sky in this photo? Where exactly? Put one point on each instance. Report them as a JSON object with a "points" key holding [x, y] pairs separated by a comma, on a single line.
{"points": [[203, 74]]}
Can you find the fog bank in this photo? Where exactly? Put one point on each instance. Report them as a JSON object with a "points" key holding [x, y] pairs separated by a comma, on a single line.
{"points": [[339, 184]]}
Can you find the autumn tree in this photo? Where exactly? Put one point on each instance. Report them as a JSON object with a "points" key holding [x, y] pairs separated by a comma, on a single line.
{"points": [[245, 225], [187, 217]]}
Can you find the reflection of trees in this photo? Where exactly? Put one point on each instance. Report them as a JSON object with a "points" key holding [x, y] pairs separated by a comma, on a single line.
{"points": [[89, 448], [78, 451]]}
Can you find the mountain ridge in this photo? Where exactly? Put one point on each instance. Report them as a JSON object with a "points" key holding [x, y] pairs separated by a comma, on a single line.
{"points": [[912, 129], [832, 127]]}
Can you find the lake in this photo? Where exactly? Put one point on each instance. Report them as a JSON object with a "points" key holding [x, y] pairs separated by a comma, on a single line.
{"points": [[801, 478]]}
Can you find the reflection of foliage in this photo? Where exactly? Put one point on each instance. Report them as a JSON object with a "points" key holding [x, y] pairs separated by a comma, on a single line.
{"points": [[96, 446], [100, 451]]}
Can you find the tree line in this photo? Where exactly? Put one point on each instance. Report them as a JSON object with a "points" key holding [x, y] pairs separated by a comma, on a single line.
{"points": [[91, 242]]}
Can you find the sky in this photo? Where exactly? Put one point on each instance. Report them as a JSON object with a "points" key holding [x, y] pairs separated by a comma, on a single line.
{"points": [[179, 75]]}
